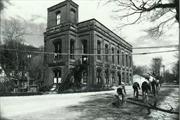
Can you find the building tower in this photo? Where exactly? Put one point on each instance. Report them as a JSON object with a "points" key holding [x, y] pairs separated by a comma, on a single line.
{"points": [[60, 38]]}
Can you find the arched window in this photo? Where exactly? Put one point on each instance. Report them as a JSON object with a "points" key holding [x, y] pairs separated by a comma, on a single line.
{"points": [[58, 49], [73, 15], [123, 58], [118, 58], [98, 76], [58, 17]]}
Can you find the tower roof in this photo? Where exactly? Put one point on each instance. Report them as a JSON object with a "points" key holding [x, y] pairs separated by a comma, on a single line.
{"points": [[62, 4]]}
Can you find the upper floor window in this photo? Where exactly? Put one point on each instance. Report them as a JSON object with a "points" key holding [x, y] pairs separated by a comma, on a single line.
{"points": [[122, 58], [72, 44], [130, 61], [127, 61], [99, 50], [106, 52], [112, 55], [58, 49], [118, 57], [58, 18], [84, 46], [84, 50]]}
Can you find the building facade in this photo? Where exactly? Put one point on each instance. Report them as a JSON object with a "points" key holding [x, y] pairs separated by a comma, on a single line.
{"points": [[108, 57]]}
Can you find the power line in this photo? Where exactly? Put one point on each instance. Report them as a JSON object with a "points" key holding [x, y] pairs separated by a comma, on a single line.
{"points": [[54, 53], [167, 46], [144, 53]]}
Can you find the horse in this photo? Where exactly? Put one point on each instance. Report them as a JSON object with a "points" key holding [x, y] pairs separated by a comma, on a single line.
{"points": [[136, 88], [145, 90]]}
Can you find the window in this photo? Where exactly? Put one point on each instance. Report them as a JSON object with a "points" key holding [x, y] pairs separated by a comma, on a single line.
{"points": [[107, 76], [72, 49], [84, 47], [130, 61], [106, 52], [113, 77], [99, 50], [57, 76], [58, 18], [123, 77], [127, 61], [84, 78], [118, 57], [113, 55], [98, 77], [73, 15], [58, 49], [122, 58]]}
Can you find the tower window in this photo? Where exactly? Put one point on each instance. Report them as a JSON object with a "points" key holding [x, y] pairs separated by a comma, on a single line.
{"points": [[58, 49], [73, 15], [58, 18]]}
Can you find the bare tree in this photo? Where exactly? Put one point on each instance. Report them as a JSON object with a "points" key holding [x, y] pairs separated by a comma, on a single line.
{"points": [[153, 10], [13, 30], [13, 35], [2, 4], [140, 70]]}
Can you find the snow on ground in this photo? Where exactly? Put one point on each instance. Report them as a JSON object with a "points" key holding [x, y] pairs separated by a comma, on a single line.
{"points": [[11, 106], [84, 106]]}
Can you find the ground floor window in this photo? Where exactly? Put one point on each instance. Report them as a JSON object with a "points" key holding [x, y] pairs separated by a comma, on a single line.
{"points": [[84, 77], [123, 77], [107, 76], [98, 76], [127, 74], [57, 76], [113, 77], [119, 78]]}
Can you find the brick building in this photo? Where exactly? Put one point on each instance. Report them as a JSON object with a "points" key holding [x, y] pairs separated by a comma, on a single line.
{"points": [[108, 56]]}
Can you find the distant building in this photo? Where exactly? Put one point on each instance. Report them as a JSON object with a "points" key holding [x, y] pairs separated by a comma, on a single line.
{"points": [[108, 56]]}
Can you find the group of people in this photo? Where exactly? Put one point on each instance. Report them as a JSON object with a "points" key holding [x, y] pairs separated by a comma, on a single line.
{"points": [[150, 85]]}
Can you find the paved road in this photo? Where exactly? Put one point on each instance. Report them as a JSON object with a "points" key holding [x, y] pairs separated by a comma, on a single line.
{"points": [[78, 106]]}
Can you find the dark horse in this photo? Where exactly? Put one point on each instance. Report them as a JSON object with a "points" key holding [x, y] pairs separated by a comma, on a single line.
{"points": [[136, 88], [145, 90]]}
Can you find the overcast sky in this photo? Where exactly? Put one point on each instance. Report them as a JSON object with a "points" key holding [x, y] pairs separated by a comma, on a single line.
{"points": [[35, 12]]}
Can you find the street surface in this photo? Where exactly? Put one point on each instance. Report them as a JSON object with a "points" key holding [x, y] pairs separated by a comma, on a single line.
{"points": [[86, 106]]}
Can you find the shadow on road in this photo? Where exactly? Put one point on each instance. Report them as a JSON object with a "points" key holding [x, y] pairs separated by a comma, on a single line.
{"points": [[99, 107]]}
